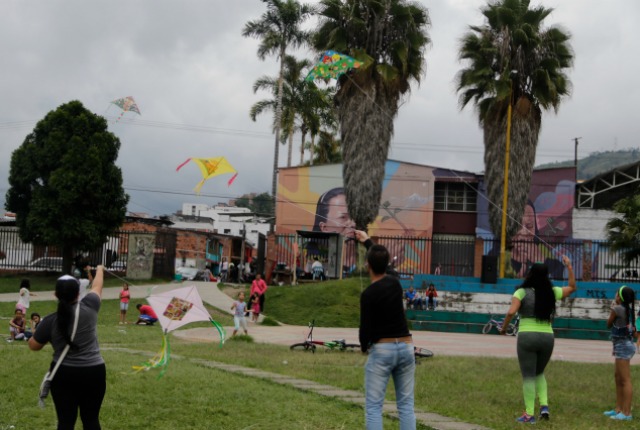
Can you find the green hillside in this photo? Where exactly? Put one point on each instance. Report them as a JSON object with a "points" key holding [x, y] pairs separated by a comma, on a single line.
{"points": [[598, 162]]}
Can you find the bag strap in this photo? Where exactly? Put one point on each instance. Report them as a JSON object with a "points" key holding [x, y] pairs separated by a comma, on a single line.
{"points": [[66, 348]]}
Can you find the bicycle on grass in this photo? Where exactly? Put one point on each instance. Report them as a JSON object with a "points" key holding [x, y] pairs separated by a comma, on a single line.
{"points": [[420, 352], [512, 329], [310, 344]]}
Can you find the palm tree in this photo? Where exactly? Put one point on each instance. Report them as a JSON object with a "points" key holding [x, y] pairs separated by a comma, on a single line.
{"points": [[389, 37], [317, 114], [298, 97], [623, 232], [296, 90], [326, 151], [279, 29], [512, 59]]}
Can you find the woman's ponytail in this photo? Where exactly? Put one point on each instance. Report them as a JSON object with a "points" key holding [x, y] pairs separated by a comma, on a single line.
{"points": [[67, 291]]}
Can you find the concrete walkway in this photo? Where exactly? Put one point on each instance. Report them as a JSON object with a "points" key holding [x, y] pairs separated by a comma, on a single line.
{"points": [[455, 344]]}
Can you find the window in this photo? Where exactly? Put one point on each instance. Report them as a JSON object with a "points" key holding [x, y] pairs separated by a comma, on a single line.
{"points": [[193, 210], [227, 230], [455, 197]]}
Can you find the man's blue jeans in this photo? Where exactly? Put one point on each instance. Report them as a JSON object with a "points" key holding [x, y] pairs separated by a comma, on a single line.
{"points": [[398, 361]]}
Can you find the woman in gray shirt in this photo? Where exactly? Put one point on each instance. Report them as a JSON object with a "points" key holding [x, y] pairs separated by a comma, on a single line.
{"points": [[80, 382]]}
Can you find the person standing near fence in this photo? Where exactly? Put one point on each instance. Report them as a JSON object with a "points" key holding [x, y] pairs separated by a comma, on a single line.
{"points": [[535, 300], [385, 335]]}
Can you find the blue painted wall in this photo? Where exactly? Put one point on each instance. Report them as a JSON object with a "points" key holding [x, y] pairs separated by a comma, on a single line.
{"points": [[586, 290]]}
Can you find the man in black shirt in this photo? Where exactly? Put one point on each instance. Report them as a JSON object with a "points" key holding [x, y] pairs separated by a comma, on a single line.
{"points": [[385, 335]]}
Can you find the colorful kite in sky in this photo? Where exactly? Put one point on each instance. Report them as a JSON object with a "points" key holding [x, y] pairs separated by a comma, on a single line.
{"points": [[176, 308], [127, 104], [332, 64], [211, 167]]}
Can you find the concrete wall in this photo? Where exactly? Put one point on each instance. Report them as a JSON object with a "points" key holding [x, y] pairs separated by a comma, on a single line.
{"points": [[591, 301], [589, 224]]}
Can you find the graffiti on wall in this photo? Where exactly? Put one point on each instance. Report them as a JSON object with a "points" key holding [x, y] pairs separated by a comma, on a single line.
{"points": [[313, 199], [545, 226], [140, 256]]}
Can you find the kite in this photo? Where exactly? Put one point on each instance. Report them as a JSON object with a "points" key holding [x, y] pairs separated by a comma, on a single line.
{"points": [[211, 167], [176, 308], [127, 104], [332, 64]]}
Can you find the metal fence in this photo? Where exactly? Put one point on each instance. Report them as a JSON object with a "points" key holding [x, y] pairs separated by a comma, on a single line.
{"points": [[591, 260], [16, 255], [409, 255]]}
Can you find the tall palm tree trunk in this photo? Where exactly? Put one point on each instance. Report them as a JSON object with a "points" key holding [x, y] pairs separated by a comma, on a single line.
{"points": [[304, 135], [525, 128], [277, 125], [290, 150], [312, 148], [366, 121]]}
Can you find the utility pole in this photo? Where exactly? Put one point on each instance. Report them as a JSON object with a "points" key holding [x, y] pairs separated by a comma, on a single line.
{"points": [[575, 157]]}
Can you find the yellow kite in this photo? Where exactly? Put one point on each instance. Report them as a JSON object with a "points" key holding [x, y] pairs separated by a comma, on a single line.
{"points": [[211, 167]]}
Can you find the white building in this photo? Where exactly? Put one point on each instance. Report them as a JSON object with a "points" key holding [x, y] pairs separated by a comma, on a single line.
{"points": [[231, 220]]}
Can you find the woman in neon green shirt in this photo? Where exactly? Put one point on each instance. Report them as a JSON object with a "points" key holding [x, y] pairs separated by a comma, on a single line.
{"points": [[535, 300]]}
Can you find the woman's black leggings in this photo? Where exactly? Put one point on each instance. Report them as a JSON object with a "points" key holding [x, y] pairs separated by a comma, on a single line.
{"points": [[534, 352], [81, 388]]}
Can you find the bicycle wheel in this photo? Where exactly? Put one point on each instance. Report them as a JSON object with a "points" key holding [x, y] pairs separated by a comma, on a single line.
{"points": [[422, 352], [351, 347], [512, 330], [487, 328], [304, 346]]}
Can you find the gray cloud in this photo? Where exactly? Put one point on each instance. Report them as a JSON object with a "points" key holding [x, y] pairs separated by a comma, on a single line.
{"points": [[187, 64]]}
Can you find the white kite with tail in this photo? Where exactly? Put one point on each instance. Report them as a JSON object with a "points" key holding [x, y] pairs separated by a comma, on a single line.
{"points": [[176, 308]]}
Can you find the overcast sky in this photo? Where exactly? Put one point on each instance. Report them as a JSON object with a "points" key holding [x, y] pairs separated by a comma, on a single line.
{"points": [[191, 73]]}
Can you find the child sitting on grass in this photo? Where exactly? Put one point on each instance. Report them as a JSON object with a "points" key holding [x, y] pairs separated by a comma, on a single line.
{"points": [[16, 326], [33, 324]]}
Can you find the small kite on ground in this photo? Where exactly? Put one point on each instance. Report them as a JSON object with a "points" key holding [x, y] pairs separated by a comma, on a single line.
{"points": [[176, 308], [127, 104], [332, 65], [211, 167]]}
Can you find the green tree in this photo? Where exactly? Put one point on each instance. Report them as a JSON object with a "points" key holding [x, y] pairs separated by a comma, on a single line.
{"points": [[326, 151], [390, 37], [278, 30], [512, 59], [623, 231], [64, 185], [298, 98], [318, 114], [261, 204]]}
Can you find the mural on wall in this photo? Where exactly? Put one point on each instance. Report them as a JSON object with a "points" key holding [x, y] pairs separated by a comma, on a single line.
{"points": [[140, 256], [312, 199], [545, 226]]}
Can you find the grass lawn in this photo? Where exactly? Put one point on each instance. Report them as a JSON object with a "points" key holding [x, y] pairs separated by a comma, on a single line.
{"points": [[481, 390], [47, 281]]}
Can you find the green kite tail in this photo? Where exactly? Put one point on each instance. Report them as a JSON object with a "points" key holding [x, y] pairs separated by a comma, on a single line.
{"points": [[161, 359], [221, 332]]}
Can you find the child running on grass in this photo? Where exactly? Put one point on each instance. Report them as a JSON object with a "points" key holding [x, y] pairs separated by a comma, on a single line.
{"points": [[623, 330], [239, 320]]}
